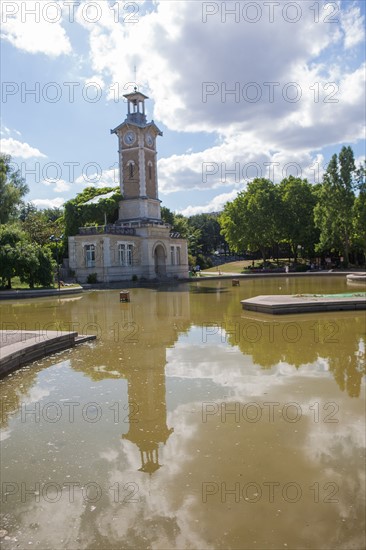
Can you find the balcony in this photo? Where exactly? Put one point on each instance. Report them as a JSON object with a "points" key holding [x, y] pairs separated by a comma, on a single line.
{"points": [[109, 229]]}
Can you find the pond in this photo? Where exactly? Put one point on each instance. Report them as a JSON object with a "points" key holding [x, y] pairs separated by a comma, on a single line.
{"points": [[188, 423]]}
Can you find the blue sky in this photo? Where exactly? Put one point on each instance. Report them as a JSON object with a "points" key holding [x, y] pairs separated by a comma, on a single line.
{"points": [[239, 89]]}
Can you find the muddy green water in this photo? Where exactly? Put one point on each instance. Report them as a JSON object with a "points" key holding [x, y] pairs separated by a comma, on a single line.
{"points": [[189, 423]]}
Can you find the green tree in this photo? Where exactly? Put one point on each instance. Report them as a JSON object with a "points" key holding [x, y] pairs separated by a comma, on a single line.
{"points": [[192, 234], [10, 237], [26, 210], [194, 238], [180, 225], [54, 214], [78, 214], [359, 210], [250, 222], [34, 264], [167, 215], [209, 227], [39, 227], [12, 189], [31, 262], [333, 214], [297, 226]]}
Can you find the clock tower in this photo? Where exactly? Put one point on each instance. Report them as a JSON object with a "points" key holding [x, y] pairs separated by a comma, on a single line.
{"points": [[139, 244], [137, 163]]}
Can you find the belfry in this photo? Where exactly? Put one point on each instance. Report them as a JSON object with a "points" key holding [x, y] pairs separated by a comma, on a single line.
{"points": [[139, 244]]}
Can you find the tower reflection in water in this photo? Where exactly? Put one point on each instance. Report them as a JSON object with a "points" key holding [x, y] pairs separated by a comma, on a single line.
{"points": [[148, 415], [160, 322]]}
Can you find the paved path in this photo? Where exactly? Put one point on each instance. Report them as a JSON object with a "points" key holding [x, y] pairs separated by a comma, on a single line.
{"points": [[20, 347], [18, 294], [8, 338]]}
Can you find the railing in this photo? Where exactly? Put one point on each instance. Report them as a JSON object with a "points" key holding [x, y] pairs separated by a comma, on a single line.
{"points": [[126, 228], [110, 229]]}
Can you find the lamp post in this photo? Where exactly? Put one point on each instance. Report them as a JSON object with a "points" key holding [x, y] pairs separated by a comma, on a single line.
{"points": [[57, 240], [300, 250]]}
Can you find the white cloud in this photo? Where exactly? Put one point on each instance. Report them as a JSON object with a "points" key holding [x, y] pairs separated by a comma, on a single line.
{"points": [[35, 32], [233, 163], [96, 82], [184, 53], [48, 203], [215, 205], [176, 53], [353, 26], [62, 186], [20, 149], [59, 186], [104, 178], [179, 99]]}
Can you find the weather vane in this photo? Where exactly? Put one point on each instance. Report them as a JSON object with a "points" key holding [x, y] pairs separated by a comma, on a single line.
{"points": [[135, 73]]}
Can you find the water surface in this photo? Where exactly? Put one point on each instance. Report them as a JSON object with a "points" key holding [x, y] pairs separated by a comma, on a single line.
{"points": [[189, 423]]}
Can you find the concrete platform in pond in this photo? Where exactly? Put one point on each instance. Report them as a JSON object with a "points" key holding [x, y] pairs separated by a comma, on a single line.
{"points": [[39, 293], [357, 278], [24, 346], [303, 303]]}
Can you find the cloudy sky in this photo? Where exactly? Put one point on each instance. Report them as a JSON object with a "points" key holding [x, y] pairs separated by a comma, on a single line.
{"points": [[239, 89]]}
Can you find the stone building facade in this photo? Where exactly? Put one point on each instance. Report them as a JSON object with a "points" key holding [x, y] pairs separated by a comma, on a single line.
{"points": [[139, 243]]}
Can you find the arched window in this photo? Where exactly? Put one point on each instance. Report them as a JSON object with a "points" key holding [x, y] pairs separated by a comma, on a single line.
{"points": [[149, 167], [131, 168], [90, 255]]}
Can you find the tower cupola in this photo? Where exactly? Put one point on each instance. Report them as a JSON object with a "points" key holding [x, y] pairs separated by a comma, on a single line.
{"points": [[136, 108]]}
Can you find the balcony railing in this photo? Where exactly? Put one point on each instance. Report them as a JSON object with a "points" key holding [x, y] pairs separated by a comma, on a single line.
{"points": [[126, 228], [110, 229]]}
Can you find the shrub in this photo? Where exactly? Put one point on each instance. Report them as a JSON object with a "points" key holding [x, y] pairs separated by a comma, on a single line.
{"points": [[192, 260], [203, 261], [92, 279], [301, 267]]}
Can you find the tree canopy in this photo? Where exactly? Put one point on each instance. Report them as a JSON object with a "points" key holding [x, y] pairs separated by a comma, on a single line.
{"points": [[78, 213], [333, 214], [297, 227], [12, 189], [21, 257], [251, 221], [327, 218]]}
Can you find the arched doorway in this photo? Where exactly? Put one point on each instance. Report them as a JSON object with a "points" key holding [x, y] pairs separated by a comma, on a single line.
{"points": [[159, 258]]}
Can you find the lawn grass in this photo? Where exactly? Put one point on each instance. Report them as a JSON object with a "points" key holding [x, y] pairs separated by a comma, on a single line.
{"points": [[16, 284], [230, 267], [241, 265]]}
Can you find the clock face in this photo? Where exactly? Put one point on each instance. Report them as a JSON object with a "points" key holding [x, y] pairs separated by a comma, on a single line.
{"points": [[149, 140], [129, 137]]}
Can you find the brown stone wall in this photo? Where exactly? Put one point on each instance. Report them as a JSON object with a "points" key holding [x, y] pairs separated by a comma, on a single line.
{"points": [[131, 185], [151, 188]]}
